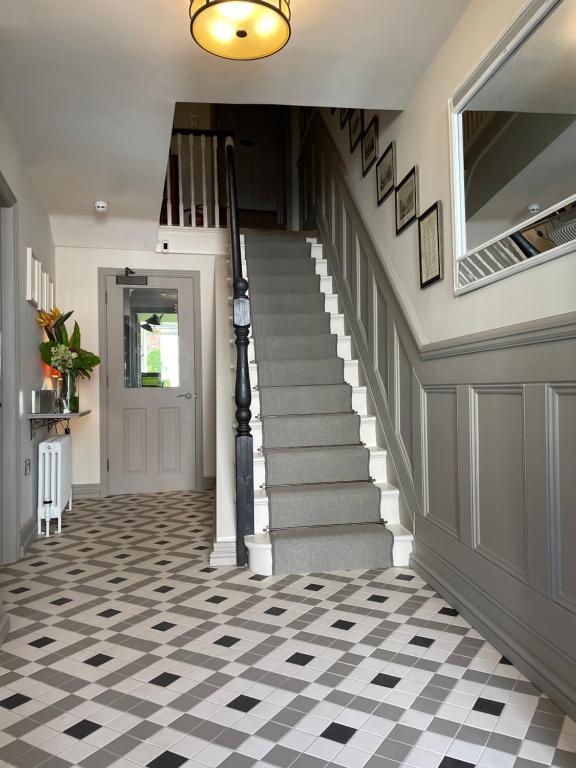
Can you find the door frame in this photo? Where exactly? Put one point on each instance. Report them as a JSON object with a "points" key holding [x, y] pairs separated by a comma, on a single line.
{"points": [[194, 275], [10, 547]]}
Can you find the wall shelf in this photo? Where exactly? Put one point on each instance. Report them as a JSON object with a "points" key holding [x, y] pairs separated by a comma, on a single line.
{"points": [[50, 420]]}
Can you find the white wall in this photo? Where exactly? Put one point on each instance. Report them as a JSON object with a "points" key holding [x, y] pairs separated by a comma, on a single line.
{"points": [[77, 281], [421, 133], [33, 230]]}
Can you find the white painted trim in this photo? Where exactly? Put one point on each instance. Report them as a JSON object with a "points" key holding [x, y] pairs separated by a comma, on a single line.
{"points": [[223, 553]]}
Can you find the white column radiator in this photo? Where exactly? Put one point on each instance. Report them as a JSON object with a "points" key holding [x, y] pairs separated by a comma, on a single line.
{"points": [[54, 480]]}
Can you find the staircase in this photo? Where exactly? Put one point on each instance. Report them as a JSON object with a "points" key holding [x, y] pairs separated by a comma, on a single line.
{"points": [[320, 481]]}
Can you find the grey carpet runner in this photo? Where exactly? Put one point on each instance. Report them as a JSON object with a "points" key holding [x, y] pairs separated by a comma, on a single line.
{"points": [[324, 508]]}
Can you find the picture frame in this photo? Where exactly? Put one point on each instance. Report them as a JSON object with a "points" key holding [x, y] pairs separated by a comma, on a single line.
{"points": [[37, 283], [45, 290], [355, 127], [344, 115], [30, 276], [370, 146], [407, 200], [430, 245], [386, 173]]}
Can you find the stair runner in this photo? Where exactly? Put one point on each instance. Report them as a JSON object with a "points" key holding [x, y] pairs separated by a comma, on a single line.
{"points": [[324, 508]]}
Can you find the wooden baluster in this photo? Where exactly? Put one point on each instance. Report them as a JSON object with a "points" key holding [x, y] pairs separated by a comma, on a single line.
{"points": [[169, 188], [215, 186], [204, 193], [192, 191], [180, 195]]}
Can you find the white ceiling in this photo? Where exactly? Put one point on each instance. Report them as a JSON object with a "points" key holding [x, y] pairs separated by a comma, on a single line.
{"points": [[89, 88]]}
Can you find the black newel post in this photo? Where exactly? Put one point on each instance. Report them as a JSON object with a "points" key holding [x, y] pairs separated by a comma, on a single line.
{"points": [[243, 395]]}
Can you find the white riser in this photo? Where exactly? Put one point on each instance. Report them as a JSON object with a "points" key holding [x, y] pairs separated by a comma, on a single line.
{"points": [[389, 507], [351, 373], [359, 401], [321, 266], [260, 550], [378, 469], [367, 431]]}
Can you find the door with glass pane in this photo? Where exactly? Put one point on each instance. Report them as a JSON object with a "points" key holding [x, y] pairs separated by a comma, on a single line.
{"points": [[151, 386]]}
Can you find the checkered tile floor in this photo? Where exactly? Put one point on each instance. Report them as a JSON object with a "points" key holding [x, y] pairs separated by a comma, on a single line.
{"points": [[127, 650]]}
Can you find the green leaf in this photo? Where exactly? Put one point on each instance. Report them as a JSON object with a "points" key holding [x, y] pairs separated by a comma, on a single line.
{"points": [[75, 338], [46, 351]]}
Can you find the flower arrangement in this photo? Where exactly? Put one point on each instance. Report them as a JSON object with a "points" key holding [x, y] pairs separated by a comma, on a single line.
{"points": [[63, 351]]}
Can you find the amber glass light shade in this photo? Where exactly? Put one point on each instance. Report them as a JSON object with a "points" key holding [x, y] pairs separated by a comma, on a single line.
{"points": [[240, 29]]}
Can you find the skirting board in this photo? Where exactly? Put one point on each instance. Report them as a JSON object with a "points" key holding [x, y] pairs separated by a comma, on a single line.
{"points": [[4, 625], [87, 491], [27, 536], [488, 618], [223, 553]]}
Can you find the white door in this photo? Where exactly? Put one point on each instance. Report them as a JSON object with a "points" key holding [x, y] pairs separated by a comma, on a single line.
{"points": [[151, 391]]}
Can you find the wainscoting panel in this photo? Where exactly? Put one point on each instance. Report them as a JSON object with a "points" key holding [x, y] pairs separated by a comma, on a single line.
{"points": [[562, 402], [366, 302], [381, 332], [482, 435], [404, 403], [441, 458], [499, 483]]}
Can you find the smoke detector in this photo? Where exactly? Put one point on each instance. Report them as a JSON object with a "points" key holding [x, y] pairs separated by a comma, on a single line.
{"points": [[533, 209], [100, 206]]}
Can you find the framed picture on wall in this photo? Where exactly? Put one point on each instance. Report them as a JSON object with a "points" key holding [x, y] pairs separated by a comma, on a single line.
{"points": [[407, 200], [430, 245], [386, 173], [45, 290], [344, 115], [37, 283], [30, 276], [355, 127], [370, 146]]}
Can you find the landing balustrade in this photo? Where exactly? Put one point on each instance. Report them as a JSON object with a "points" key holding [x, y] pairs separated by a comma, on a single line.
{"points": [[195, 189]]}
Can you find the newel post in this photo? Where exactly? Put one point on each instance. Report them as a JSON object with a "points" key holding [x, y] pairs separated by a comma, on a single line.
{"points": [[244, 439], [243, 394]]}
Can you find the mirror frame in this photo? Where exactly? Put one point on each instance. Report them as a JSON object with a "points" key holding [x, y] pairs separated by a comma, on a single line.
{"points": [[530, 17]]}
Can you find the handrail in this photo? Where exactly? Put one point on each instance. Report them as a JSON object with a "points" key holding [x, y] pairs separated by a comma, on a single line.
{"points": [[243, 395]]}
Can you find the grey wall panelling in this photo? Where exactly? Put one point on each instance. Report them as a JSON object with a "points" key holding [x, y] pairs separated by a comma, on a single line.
{"points": [[482, 435]]}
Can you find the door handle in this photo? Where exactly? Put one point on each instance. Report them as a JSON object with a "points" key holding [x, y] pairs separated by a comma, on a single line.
{"points": [[188, 395]]}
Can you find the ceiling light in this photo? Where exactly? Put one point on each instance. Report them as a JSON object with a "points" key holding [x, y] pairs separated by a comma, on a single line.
{"points": [[240, 29]]}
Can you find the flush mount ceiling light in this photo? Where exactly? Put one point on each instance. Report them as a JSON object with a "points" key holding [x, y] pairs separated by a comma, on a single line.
{"points": [[240, 29]]}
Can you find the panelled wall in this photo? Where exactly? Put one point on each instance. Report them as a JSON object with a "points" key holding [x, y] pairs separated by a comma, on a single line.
{"points": [[482, 433]]}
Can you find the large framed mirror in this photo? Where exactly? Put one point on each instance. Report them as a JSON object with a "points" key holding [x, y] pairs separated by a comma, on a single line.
{"points": [[514, 150]]}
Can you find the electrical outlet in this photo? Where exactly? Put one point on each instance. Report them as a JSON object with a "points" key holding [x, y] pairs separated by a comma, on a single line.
{"points": [[193, 121], [165, 245], [27, 466]]}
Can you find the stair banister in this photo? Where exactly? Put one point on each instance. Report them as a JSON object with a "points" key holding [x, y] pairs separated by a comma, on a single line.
{"points": [[243, 396]]}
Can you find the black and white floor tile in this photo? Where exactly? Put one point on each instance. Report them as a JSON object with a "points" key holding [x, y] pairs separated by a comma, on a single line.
{"points": [[128, 650]]}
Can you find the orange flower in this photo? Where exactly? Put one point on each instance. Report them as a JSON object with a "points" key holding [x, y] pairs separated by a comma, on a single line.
{"points": [[47, 319]]}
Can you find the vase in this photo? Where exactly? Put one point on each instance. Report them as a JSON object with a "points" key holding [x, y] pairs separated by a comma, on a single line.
{"points": [[68, 399]]}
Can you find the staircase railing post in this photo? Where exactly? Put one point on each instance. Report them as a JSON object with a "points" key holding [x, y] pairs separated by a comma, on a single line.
{"points": [[243, 395]]}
